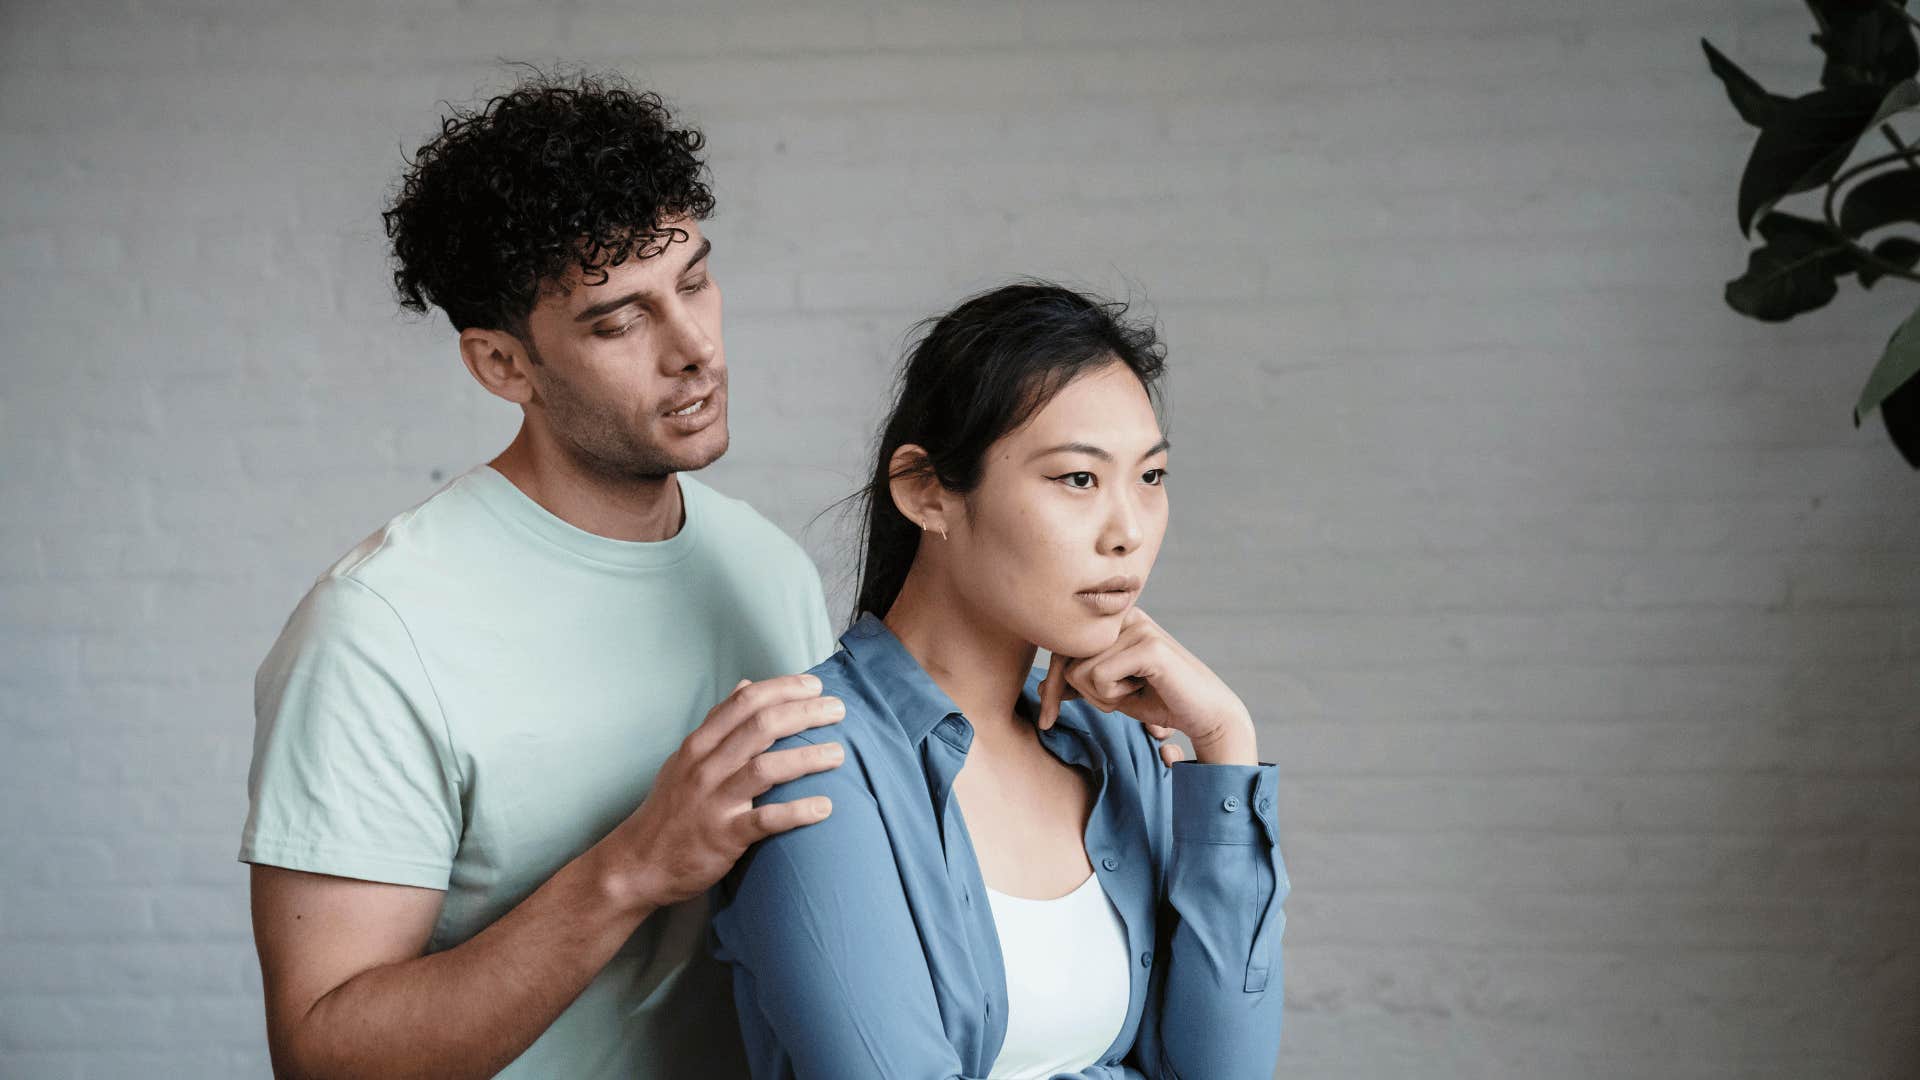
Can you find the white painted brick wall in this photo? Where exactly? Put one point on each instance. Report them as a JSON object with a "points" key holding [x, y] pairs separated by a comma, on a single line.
{"points": [[1582, 621]]}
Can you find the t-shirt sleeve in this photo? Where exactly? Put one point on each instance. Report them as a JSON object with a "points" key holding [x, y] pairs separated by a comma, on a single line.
{"points": [[353, 774]]}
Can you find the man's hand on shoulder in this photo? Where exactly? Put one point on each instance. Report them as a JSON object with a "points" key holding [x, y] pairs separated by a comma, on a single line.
{"points": [[700, 818]]}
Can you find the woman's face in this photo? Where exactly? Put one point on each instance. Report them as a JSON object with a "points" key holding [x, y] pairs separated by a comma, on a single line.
{"points": [[1067, 517]]}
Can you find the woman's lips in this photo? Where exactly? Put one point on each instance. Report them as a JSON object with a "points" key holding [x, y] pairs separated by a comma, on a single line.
{"points": [[1108, 601]]}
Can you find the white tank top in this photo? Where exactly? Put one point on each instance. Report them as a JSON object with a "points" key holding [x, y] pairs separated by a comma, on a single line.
{"points": [[1068, 980]]}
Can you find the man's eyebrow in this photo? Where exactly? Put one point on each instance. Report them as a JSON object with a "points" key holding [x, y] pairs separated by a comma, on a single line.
{"points": [[618, 302], [1093, 451]]}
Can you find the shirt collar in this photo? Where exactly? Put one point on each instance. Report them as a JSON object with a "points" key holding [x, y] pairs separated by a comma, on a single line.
{"points": [[914, 700]]}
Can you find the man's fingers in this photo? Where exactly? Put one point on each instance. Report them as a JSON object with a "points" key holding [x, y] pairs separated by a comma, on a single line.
{"points": [[756, 696], [1170, 753], [763, 771], [763, 821], [1050, 690], [1158, 731], [753, 734], [747, 698]]}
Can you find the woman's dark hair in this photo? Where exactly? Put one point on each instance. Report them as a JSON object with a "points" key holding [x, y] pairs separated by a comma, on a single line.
{"points": [[554, 174], [975, 374]]}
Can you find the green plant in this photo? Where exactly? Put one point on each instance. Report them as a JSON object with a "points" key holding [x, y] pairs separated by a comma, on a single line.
{"points": [[1805, 143]]}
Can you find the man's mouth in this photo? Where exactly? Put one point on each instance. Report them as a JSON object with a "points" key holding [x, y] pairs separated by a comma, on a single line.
{"points": [[689, 406]]}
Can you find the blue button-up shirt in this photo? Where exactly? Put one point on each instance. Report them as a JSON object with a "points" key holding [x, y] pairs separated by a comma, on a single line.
{"points": [[863, 946]]}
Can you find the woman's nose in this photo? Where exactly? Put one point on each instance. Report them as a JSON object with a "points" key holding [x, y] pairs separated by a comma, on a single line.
{"points": [[1124, 529]]}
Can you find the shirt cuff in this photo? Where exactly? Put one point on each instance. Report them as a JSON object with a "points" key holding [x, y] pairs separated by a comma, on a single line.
{"points": [[1224, 804]]}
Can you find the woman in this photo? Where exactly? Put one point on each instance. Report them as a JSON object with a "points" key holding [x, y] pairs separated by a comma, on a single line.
{"points": [[1010, 884]]}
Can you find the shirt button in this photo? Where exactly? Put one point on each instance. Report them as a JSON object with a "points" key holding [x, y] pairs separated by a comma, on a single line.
{"points": [[1146, 959], [1110, 862], [1230, 803], [1266, 804]]}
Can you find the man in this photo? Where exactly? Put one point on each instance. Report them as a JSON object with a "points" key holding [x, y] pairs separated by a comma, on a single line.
{"points": [[487, 793]]}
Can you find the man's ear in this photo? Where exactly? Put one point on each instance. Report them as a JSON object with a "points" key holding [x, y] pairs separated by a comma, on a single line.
{"points": [[916, 491], [498, 361]]}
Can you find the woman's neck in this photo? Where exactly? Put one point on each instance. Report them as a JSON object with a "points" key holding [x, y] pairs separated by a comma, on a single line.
{"points": [[982, 668]]}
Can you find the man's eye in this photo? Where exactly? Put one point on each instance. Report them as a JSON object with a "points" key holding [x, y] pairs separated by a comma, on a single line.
{"points": [[1079, 481], [617, 331], [697, 286]]}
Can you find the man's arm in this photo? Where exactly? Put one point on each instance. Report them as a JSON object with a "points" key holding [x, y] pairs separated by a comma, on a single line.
{"points": [[349, 992]]}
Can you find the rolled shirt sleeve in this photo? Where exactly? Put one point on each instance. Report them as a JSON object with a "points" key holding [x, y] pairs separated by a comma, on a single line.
{"points": [[1219, 999]]}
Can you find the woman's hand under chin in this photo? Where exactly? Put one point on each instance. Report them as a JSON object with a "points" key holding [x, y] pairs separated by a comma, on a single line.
{"points": [[1154, 679]]}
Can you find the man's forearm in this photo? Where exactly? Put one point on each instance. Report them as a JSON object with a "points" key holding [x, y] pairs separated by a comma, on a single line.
{"points": [[471, 1009]]}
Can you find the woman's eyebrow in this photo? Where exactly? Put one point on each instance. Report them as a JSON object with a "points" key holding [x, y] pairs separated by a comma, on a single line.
{"points": [[1093, 451], [1072, 448]]}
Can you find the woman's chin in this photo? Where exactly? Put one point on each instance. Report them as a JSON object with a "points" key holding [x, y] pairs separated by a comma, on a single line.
{"points": [[1081, 636]]}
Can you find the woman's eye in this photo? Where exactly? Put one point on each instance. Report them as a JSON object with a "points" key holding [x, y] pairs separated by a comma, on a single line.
{"points": [[1154, 476], [1077, 480]]}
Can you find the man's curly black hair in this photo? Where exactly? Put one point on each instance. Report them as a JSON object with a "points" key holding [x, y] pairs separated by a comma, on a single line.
{"points": [[557, 173]]}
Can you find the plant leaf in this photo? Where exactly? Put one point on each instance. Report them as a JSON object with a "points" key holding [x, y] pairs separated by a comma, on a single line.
{"points": [[1901, 413], [1751, 100], [1879, 200], [1793, 272], [1898, 250], [1901, 96], [1896, 366], [1866, 42], [1804, 143]]}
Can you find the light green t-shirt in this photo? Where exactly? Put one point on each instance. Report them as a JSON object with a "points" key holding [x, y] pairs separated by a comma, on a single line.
{"points": [[479, 691]]}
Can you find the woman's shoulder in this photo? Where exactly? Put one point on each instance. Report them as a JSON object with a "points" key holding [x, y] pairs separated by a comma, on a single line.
{"points": [[865, 731]]}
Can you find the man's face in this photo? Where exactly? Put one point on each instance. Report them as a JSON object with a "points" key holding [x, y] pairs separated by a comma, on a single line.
{"points": [[619, 364]]}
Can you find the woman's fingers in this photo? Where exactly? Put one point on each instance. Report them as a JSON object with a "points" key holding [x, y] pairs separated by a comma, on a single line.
{"points": [[1076, 677], [1169, 752], [1051, 690], [1113, 677]]}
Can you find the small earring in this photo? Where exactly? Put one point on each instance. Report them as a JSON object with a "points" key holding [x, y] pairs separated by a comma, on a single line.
{"points": [[943, 532]]}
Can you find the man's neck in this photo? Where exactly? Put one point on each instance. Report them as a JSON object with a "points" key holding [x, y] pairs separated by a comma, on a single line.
{"points": [[982, 670], [643, 509]]}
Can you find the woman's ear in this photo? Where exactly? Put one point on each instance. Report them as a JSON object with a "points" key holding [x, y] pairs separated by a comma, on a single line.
{"points": [[497, 361], [916, 491]]}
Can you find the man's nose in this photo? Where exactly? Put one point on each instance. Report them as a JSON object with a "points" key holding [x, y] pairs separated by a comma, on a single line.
{"points": [[691, 347]]}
